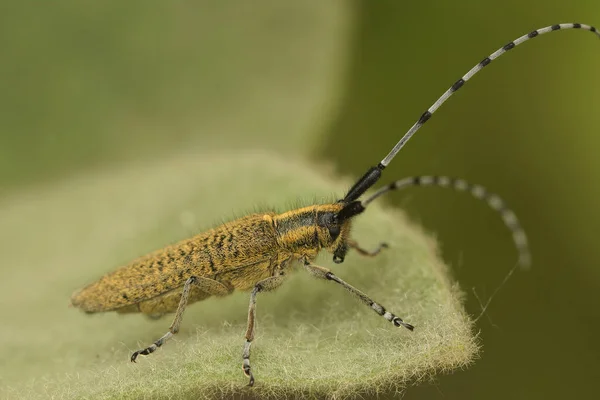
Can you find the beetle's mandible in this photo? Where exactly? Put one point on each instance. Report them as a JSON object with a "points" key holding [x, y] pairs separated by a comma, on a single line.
{"points": [[256, 252]]}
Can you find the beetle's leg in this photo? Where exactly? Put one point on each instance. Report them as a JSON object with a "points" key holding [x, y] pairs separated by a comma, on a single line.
{"points": [[325, 273], [210, 286], [263, 286], [353, 244]]}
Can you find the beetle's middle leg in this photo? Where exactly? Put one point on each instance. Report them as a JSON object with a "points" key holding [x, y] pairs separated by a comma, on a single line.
{"points": [[372, 253], [325, 273], [209, 286], [262, 286]]}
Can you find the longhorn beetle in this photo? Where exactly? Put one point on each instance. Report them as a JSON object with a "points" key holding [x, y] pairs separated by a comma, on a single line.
{"points": [[255, 252]]}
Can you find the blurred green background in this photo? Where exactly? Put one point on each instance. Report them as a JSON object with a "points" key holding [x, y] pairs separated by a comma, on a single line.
{"points": [[87, 85]]}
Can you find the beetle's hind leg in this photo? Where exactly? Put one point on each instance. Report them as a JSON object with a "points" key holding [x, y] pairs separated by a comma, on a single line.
{"points": [[353, 244], [209, 286], [263, 286]]}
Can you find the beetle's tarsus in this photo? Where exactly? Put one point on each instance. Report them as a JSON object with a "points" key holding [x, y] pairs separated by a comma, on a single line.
{"points": [[248, 373], [144, 352], [398, 322]]}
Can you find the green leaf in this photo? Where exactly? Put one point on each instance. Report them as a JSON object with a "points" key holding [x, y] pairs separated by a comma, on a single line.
{"points": [[313, 339]]}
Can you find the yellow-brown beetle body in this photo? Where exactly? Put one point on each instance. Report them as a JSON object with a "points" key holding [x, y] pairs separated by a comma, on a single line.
{"points": [[255, 251], [237, 254]]}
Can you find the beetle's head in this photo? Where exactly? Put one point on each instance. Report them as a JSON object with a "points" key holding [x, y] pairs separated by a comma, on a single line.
{"points": [[337, 221], [334, 223]]}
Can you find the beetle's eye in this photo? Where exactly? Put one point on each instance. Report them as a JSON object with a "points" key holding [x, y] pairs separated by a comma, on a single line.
{"points": [[329, 220], [334, 231]]}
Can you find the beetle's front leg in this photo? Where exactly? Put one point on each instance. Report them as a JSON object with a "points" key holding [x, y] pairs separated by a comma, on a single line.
{"points": [[353, 244], [263, 286], [325, 273]]}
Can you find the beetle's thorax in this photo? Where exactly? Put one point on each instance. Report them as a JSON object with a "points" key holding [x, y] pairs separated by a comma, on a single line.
{"points": [[305, 231]]}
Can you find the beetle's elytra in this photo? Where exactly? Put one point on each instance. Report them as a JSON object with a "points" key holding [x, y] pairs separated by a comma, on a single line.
{"points": [[257, 251]]}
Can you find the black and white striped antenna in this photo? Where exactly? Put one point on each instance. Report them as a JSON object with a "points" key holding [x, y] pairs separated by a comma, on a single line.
{"points": [[374, 173], [477, 191]]}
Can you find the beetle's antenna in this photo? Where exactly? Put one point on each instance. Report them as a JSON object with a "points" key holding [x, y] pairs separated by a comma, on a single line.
{"points": [[374, 173], [493, 200]]}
